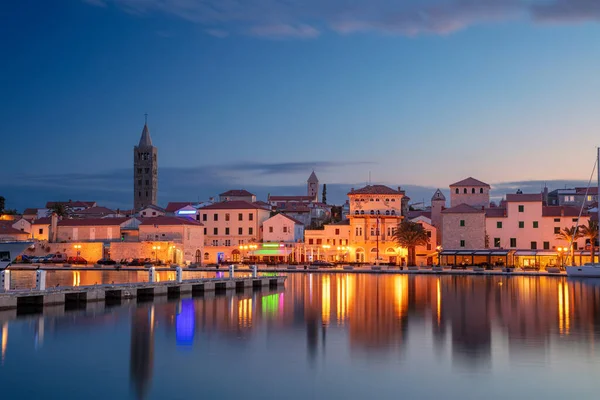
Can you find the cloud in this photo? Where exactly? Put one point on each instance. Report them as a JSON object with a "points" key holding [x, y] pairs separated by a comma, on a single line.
{"points": [[219, 33], [290, 167], [308, 18]]}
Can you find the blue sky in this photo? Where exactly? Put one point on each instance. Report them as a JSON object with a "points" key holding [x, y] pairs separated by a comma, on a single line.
{"points": [[257, 93]]}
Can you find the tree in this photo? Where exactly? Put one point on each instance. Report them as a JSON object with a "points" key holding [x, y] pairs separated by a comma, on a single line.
{"points": [[324, 195], [2, 203], [410, 235], [590, 231], [59, 209], [570, 235]]}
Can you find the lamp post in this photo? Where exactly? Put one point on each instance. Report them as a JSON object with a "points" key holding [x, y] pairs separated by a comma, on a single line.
{"points": [[155, 250], [560, 256], [439, 250], [78, 248], [326, 247]]}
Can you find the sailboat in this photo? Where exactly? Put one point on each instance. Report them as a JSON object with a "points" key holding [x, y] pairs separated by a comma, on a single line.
{"points": [[11, 250], [589, 270]]}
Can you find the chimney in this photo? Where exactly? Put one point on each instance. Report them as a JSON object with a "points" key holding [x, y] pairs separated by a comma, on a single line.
{"points": [[53, 228]]}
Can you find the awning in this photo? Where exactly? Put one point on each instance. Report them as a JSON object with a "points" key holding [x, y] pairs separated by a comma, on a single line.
{"points": [[464, 253], [546, 253], [482, 253], [525, 253], [447, 253], [500, 253], [271, 252]]}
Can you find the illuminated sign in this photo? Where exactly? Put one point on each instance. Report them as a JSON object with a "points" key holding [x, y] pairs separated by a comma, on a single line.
{"points": [[186, 212]]}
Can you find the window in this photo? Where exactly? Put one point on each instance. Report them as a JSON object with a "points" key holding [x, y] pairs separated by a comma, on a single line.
{"points": [[589, 198], [310, 241], [285, 229], [250, 217], [521, 208], [227, 217], [546, 245], [147, 182], [205, 229], [250, 231], [204, 217], [428, 246], [533, 245], [513, 242], [556, 219], [372, 212], [337, 231], [139, 170], [462, 243], [146, 170], [473, 190], [319, 241], [465, 190], [206, 256], [41, 231], [197, 217], [462, 222], [215, 231], [456, 191], [216, 217], [270, 229], [496, 242], [215, 242], [574, 219], [227, 242], [499, 224], [153, 212], [140, 182], [240, 217], [521, 224], [535, 224], [240, 231], [480, 190], [227, 231], [556, 230], [574, 245], [428, 234]]}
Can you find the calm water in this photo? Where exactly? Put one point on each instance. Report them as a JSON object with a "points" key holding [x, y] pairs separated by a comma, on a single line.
{"points": [[323, 336]]}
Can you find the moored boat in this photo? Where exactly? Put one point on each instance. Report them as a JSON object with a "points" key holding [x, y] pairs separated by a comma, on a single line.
{"points": [[11, 250]]}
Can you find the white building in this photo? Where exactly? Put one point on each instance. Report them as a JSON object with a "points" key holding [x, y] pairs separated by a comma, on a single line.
{"points": [[283, 228], [232, 223]]}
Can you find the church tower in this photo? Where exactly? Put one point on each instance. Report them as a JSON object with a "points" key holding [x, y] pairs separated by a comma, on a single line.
{"points": [[145, 171], [312, 186]]}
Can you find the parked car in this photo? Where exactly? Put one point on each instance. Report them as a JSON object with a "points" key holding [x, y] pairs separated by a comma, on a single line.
{"points": [[58, 258], [106, 261], [136, 262], [36, 259], [322, 264], [77, 260]]}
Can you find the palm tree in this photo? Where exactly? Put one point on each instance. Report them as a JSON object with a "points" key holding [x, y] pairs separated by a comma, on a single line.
{"points": [[59, 209], [410, 235], [570, 235], [590, 231]]}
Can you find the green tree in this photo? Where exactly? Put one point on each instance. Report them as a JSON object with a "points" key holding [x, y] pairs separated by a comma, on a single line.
{"points": [[590, 231], [2, 203], [59, 209], [410, 235], [570, 235], [324, 195]]}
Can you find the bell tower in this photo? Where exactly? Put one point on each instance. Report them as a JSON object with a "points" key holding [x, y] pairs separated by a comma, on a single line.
{"points": [[145, 171], [312, 186]]}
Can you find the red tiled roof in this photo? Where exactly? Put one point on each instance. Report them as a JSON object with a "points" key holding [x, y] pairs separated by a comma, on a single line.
{"points": [[558, 211], [374, 189], [170, 221], [177, 205], [463, 209], [291, 198], [77, 203], [593, 191], [524, 197], [418, 213], [470, 181], [294, 220], [42, 221], [495, 212], [154, 207], [30, 211], [237, 193], [234, 205], [9, 230], [92, 222], [295, 207], [96, 210], [262, 204]]}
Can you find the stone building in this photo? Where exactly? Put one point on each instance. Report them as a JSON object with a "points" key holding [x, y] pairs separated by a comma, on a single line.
{"points": [[463, 228], [312, 186], [438, 203], [470, 191], [145, 172]]}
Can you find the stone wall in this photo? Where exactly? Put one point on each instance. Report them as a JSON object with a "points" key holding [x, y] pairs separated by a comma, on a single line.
{"points": [[92, 252], [473, 231], [128, 250]]}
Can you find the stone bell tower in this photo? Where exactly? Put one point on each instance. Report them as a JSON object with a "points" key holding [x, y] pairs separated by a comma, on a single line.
{"points": [[312, 186], [145, 171]]}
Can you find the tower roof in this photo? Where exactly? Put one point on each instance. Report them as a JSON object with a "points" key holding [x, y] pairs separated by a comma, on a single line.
{"points": [[438, 195], [313, 178], [145, 140]]}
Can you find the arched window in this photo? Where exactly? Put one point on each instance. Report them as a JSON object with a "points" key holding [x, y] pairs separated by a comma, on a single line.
{"points": [[465, 190], [206, 256], [356, 212], [387, 212], [480, 190], [371, 200], [456, 191], [372, 212], [393, 212], [378, 212], [362, 211], [472, 190], [198, 256]]}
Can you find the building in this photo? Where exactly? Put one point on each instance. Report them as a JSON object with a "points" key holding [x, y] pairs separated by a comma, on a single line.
{"points": [[187, 236], [92, 229], [331, 243], [97, 212], [426, 254], [233, 223], [463, 227], [283, 228], [312, 186], [237, 195], [40, 229], [151, 211], [438, 204], [9, 234], [575, 197], [145, 172], [470, 191], [375, 212]]}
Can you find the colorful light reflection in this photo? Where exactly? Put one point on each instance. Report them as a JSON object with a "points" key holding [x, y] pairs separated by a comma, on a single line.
{"points": [[185, 323]]}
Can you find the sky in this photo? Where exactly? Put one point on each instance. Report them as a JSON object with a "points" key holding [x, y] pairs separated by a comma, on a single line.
{"points": [[256, 94]]}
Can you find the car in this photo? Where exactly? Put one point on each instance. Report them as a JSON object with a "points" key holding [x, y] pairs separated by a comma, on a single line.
{"points": [[77, 260], [106, 261], [136, 262], [58, 258], [322, 263]]}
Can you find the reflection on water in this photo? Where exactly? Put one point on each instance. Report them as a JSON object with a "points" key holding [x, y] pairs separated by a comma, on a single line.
{"points": [[333, 333]]}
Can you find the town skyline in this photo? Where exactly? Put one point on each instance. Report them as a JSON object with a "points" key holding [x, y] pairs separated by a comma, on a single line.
{"points": [[432, 97]]}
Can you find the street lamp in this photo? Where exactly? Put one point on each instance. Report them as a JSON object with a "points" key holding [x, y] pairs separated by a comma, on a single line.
{"points": [[155, 248], [439, 250], [560, 255], [78, 248], [326, 247]]}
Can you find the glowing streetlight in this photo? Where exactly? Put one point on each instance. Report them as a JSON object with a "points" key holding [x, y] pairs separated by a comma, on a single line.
{"points": [[439, 251], [78, 248], [155, 248]]}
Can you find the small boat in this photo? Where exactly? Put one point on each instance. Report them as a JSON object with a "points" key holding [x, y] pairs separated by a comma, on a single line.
{"points": [[11, 250], [589, 270]]}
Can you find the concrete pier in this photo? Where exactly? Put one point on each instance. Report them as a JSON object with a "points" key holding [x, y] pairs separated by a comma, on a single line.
{"points": [[17, 299]]}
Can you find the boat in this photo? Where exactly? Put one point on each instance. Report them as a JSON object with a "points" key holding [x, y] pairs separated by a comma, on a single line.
{"points": [[589, 270], [11, 250]]}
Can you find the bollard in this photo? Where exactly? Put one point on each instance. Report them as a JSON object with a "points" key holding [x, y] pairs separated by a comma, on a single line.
{"points": [[152, 274], [254, 271], [231, 269], [4, 281], [178, 274], [40, 279]]}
